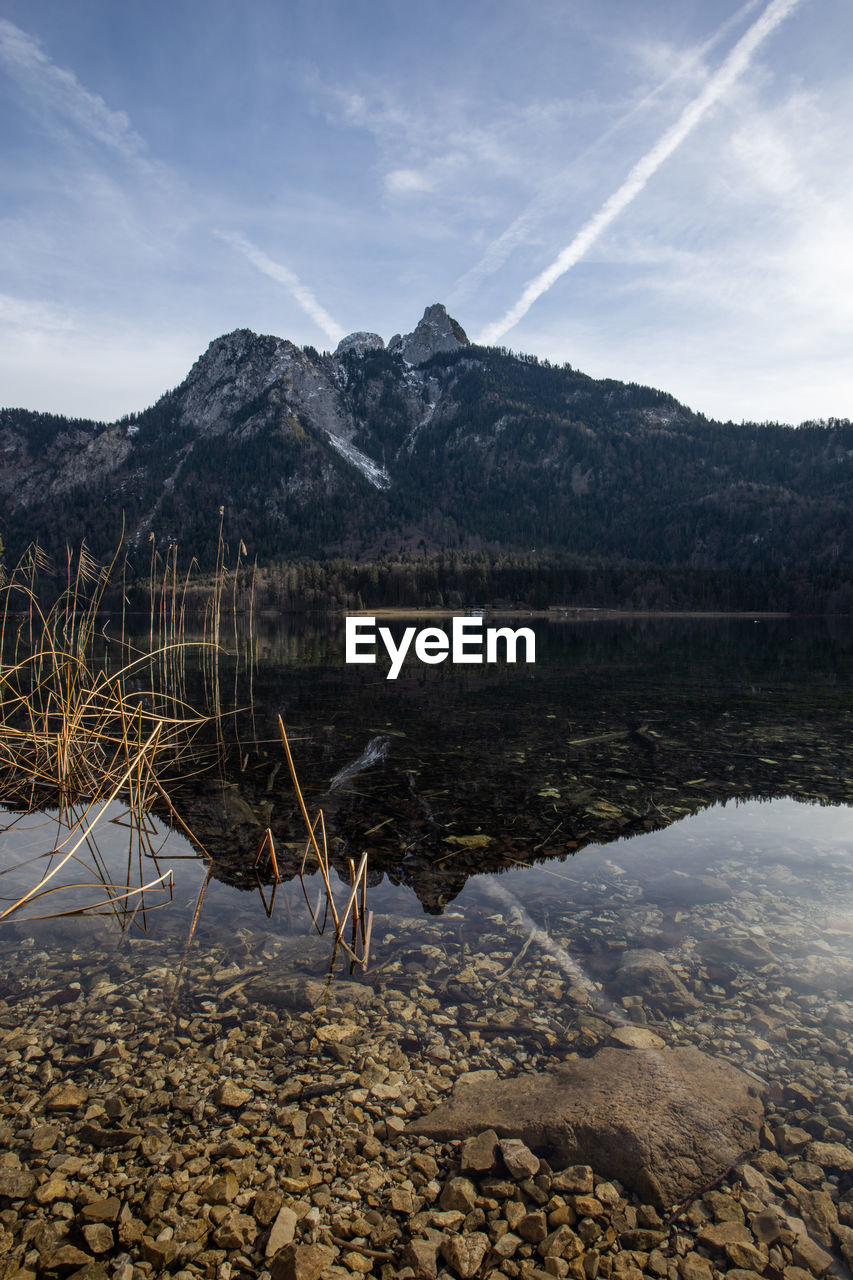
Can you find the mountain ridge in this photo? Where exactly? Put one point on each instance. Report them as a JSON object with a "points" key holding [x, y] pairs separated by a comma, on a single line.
{"points": [[430, 443]]}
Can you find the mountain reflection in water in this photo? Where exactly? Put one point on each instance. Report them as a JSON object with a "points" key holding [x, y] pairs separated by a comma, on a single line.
{"points": [[620, 728]]}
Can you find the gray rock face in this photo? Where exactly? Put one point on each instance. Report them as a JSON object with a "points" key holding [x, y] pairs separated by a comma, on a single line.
{"points": [[437, 331], [359, 344], [302, 1262], [17, 1184], [480, 1153], [75, 456], [305, 993], [465, 1253], [519, 1160], [662, 1121], [235, 370], [282, 1231], [272, 375]]}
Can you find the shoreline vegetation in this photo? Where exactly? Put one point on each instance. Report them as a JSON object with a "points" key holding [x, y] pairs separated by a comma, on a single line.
{"points": [[451, 583], [166, 581], [448, 582], [97, 730]]}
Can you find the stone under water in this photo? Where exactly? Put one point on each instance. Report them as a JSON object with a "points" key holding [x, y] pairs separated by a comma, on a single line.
{"points": [[662, 1121]]}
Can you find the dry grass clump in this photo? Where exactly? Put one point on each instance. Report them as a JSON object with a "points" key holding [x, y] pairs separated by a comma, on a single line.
{"points": [[93, 730], [79, 727], [74, 726]]}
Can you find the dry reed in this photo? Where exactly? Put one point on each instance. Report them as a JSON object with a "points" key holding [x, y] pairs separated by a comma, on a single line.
{"points": [[79, 732], [76, 733], [355, 907]]}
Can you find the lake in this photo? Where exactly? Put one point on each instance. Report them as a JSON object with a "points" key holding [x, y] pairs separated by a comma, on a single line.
{"points": [[644, 838]]}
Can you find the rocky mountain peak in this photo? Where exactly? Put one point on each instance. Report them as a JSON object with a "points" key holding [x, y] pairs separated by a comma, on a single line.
{"points": [[359, 344], [437, 331], [234, 371]]}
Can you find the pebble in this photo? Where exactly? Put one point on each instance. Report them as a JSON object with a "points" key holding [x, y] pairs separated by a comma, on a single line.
{"points": [[636, 1038], [235, 1134]]}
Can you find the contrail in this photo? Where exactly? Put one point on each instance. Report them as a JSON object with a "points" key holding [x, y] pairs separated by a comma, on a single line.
{"points": [[500, 249], [722, 80], [291, 282]]}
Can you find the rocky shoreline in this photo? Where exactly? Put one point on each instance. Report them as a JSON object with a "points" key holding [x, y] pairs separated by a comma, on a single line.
{"points": [[248, 1125]]}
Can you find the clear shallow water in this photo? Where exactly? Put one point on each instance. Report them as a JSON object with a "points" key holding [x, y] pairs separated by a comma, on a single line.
{"points": [[626, 767], [749, 907]]}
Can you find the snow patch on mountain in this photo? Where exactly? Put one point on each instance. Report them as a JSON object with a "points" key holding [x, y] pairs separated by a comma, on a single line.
{"points": [[371, 470], [409, 442]]}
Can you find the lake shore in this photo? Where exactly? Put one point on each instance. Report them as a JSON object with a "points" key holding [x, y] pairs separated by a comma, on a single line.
{"points": [[260, 1128], [556, 613]]}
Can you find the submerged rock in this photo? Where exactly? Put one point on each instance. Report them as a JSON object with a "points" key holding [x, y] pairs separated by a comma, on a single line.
{"points": [[648, 973], [636, 1038], [662, 1121]]}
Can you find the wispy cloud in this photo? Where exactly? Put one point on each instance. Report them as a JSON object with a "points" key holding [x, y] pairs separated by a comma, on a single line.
{"points": [[408, 181], [284, 276], [64, 102], [25, 317], [688, 64], [732, 67], [61, 93], [457, 149]]}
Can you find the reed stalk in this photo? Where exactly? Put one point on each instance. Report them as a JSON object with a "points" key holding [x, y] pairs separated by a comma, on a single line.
{"points": [[77, 736], [356, 904]]}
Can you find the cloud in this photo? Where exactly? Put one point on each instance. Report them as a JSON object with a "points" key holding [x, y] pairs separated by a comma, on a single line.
{"points": [[763, 149], [551, 198], [283, 275], [62, 94], [459, 148], [732, 67], [60, 359], [407, 182], [745, 314], [27, 318], [104, 221]]}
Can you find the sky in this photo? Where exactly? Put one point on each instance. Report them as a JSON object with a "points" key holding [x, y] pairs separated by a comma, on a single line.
{"points": [[658, 191]]}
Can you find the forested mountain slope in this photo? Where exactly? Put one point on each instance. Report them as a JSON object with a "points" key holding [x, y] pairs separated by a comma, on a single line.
{"points": [[430, 443]]}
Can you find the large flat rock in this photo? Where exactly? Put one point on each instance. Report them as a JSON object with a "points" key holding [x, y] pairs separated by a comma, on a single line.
{"points": [[662, 1121]]}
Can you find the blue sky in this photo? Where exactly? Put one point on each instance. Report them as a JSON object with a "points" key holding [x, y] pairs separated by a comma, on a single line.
{"points": [[654, 190]]}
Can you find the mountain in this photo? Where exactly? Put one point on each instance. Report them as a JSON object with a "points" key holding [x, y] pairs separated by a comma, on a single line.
{"points": [[431, 443]]}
